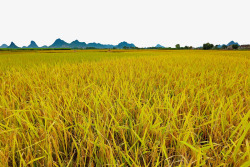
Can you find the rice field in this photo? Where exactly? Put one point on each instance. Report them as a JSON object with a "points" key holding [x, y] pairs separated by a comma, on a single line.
{"points": [[124, 108]]}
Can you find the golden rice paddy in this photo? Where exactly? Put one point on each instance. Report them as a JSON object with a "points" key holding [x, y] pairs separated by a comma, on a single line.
{"points": [[124, 108]]}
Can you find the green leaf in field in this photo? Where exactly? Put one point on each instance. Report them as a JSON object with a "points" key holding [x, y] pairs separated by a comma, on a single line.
{"points": [[246, 164], [35, 160], [190, 146]]}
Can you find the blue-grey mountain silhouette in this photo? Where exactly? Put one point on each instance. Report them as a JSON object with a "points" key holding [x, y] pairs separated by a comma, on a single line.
{"points": [[229, 44], [59, 44], [232, 43], [33, 45], [159, 46], [125, 44], [219, 46], [3, 46], [13, 46], [77, 44], [99, 46]]}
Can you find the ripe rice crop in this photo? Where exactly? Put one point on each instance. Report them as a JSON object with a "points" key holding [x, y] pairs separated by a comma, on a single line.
{"points": [[124, 108]]}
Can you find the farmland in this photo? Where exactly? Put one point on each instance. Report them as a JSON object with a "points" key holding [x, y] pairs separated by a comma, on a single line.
{"points": [[124, 108]]}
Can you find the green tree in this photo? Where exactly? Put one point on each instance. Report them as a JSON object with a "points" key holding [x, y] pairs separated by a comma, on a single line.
{"points": [[224, 46], [207, 46], [235, 46], [177, 46]]}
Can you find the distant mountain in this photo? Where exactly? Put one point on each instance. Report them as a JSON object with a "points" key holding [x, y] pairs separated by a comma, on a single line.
{"points": [[33, 45], [232, 43], [77, 44], [95, 45], [59, 44], [99, 46], [3, 46], [159, 46], [229, 44], [219, 46], [125, 44], [13, 46], [44, 46]]}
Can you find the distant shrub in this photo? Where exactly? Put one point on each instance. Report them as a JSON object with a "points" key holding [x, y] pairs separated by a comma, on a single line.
{"points": [[177, 46], [224, 46], [235, 46], [207, 46]]}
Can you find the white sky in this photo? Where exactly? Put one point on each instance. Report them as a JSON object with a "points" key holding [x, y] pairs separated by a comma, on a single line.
{"points": [[142, 22]]}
